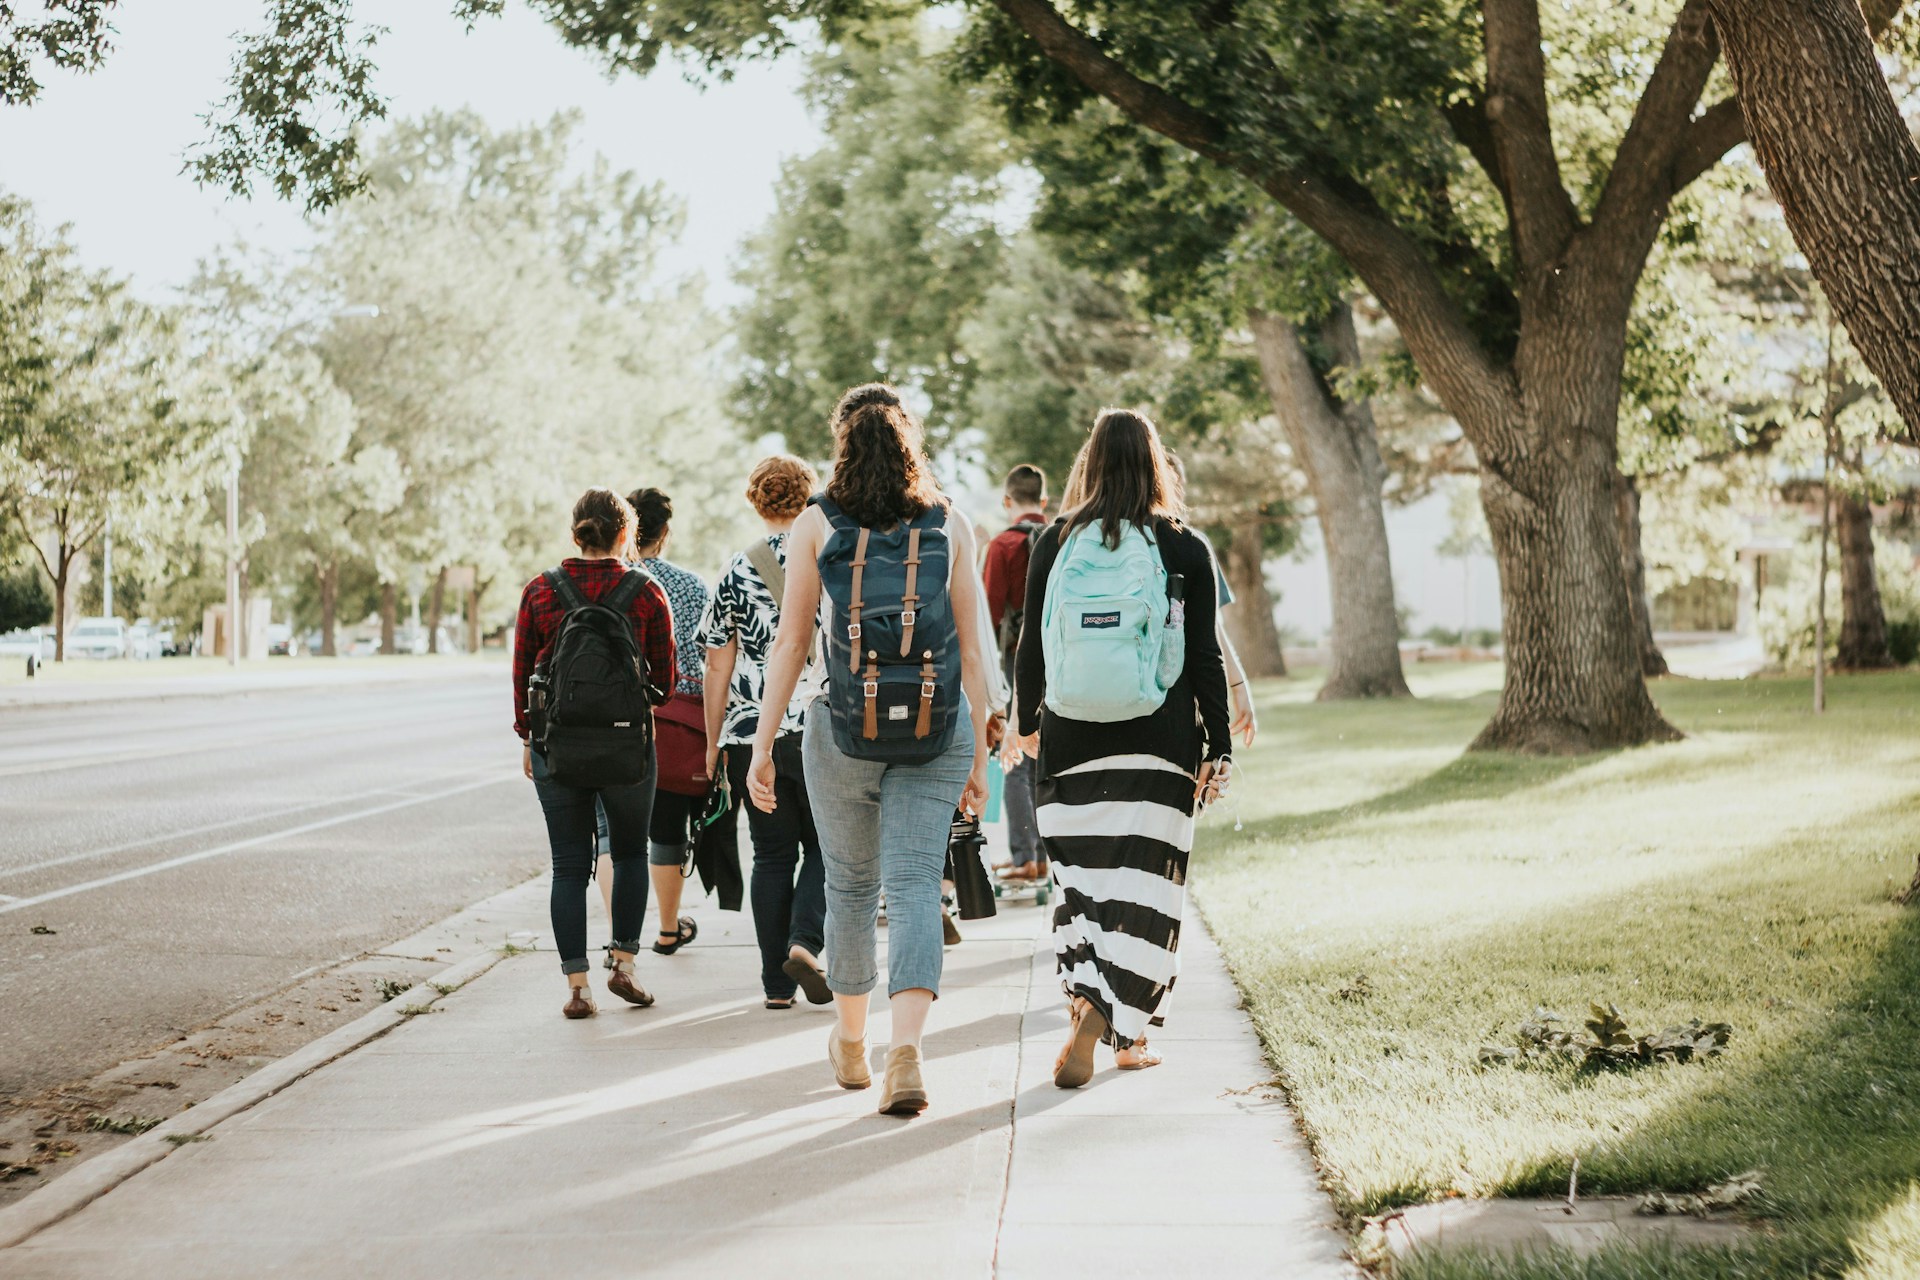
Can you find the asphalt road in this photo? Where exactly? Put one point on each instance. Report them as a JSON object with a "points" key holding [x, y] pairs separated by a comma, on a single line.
{"points": [[192, 855]]}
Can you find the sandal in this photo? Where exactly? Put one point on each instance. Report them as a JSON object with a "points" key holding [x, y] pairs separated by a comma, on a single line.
{"points": [[807, 973], [688, 932], [1142, 1056], [778, 1002], [1074, 1066]]}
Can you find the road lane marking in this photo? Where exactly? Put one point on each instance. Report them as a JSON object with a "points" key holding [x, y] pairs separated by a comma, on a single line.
{"points": [[252, 842], [174, 747], [87, 854], [7, 897]]}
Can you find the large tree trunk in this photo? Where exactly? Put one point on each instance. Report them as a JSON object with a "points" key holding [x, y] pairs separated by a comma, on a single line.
{"points": [[1652, 661], [436, 605], [1250, 622], [329, 607], [1863, 633], [1334, 443], [1573, 657], [1842, 165], [389, 615]]}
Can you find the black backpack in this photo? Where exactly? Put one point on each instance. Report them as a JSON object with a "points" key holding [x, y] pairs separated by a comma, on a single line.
{"points": [[1009, 637], [599, 719]]}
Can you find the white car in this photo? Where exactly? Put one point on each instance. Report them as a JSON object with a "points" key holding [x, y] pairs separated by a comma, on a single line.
{"points": [[34, 642], [97, 638]]}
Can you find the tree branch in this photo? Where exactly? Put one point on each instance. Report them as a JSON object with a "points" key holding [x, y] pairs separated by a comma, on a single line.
{"points": [[1718, 130], [1639, 186], [1333, 206], [1471, 129], [1543, 217]]}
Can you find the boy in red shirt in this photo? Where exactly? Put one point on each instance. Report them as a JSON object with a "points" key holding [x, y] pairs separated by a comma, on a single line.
{"points": [[1005, 577]]}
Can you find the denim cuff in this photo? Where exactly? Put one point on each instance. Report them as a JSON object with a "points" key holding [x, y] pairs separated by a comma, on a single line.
{"points": [[575, 966], [666, 855], [629, 945], [841, 988]]}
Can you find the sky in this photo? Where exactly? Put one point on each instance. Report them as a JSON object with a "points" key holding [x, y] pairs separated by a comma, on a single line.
{"points": [[104, 152]]}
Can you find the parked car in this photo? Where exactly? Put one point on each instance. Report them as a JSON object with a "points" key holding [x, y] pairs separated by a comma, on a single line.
{"points": [[33, 642], [143, 641], [281, 642], [98, 638]]}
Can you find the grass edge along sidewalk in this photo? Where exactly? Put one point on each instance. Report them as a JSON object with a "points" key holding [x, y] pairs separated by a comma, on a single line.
{"points": [[1392, 905]]}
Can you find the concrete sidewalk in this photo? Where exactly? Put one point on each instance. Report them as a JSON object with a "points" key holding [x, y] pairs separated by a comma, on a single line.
{"points": [[705, 1136]]}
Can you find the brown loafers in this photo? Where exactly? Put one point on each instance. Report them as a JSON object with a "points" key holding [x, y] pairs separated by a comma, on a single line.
{"points": [[579, 1003]]}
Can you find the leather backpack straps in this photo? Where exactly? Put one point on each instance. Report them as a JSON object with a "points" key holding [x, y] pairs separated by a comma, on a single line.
{"points": [[911, 597], [858, 603]]}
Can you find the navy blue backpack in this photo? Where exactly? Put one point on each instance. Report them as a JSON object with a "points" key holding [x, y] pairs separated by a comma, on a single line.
{"points": [[893, 654]]}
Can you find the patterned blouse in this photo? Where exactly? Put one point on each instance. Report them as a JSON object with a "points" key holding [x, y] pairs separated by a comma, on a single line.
{"points": [[743, 610], [687, 597]]}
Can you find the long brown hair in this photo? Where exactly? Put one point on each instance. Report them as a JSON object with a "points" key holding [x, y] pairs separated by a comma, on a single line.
{"points": [[1123, 477], [880, 468]]}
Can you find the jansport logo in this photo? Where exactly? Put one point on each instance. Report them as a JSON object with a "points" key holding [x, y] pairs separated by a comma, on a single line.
{"points": [[1100, 621]]}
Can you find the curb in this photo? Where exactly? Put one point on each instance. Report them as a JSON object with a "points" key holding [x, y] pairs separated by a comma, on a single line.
{"points": [[76, 1190], [69, 697]]}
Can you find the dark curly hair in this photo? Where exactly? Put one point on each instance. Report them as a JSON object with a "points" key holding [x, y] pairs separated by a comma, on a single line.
{"points": [[880, 470], [601, 519], [652, 512]]}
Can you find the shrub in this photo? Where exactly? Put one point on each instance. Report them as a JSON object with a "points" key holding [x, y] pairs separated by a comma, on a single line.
{"points": [[24, 599]]}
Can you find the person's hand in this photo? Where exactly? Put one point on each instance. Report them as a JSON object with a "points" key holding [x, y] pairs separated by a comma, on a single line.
{"points": [[713, 759], [1210, 783], [1010, 753], [1030, 745], [974, 798], [526, 759], [1245, 722], [760, 779], [996, 729]]}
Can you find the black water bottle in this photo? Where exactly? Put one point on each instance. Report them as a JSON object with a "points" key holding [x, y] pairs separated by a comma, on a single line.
{"points": [[537, 709]]}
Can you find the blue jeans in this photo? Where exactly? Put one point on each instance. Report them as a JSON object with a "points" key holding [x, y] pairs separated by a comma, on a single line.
{"points": [[570, 813], [884, 824], [667, 827], [1023, 827]]}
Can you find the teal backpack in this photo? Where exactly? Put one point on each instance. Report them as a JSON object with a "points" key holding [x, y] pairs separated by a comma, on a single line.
{"points": [[1104, 628]]}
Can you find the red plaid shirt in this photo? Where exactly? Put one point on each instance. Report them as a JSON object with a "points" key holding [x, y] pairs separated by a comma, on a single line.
{"points": [[539, 624]]}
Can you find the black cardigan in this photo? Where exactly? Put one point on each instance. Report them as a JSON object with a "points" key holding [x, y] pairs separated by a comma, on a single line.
{"points": [[1169, 731]]}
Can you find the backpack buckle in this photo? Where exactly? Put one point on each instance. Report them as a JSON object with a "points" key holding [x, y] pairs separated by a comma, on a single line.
{"points": [[906, 618], [926, 688], [871, 688], [853, 631]]}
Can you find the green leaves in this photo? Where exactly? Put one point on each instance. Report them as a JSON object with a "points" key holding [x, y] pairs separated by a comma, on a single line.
{"points": [[1605, 1042]]}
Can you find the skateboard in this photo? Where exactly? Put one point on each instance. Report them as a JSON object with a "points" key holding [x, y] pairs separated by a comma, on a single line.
{"points": [[1038, 892]]}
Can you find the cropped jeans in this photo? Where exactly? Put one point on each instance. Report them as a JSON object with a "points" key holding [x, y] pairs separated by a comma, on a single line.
{"points": [[571, 813], [788, 886], [884, 825]]}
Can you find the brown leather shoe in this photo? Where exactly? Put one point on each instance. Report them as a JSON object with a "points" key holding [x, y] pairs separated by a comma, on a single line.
{"points": [[579, 1003], [622, 984], [849, 1059], [904, 1093]]}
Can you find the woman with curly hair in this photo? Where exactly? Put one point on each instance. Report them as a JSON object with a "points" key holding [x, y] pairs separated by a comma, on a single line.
{"points": [[883, 818], [788, 883]]}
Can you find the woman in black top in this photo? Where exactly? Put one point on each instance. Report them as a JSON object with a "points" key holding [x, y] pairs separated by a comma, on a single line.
{"points": [[1116, 801]]}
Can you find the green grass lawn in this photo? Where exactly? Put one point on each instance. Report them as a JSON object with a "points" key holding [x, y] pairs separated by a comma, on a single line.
{"points": [[1743, 875]]}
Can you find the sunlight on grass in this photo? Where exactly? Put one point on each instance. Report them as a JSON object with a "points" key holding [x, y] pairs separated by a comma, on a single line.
{"points": [[1742, 875]]}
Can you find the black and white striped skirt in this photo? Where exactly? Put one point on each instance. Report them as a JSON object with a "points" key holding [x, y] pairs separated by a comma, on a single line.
{"points": [[1118, 830]]}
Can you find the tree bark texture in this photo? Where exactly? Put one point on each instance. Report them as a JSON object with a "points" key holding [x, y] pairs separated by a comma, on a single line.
{"points": [[60, 608], [329, 607], [1843, 167], [389, 615], [1335, 444], [1863, 629], [436, 605], [473, 616], [1652, 661], [1250, 622]]}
